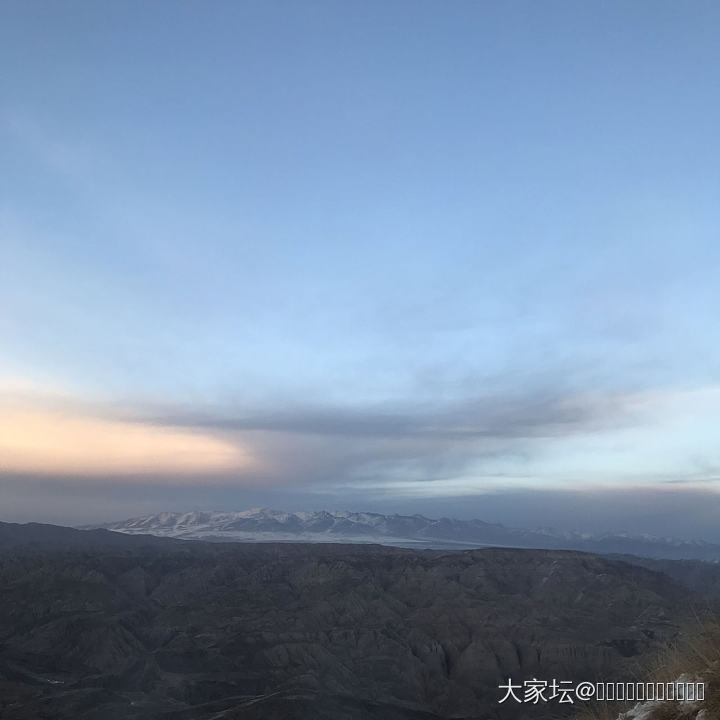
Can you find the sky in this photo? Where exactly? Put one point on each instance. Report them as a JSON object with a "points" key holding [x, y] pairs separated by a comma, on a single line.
{"points": [[452, 258]]}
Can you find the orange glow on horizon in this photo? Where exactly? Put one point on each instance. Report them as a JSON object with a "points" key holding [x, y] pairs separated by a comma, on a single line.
{"points": [[47, 442]]}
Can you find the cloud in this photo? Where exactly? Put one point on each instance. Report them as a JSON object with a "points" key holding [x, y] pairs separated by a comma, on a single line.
{"points": [[511, 415], [46, 431], [421, 448], [50, 441], [538, 437]]}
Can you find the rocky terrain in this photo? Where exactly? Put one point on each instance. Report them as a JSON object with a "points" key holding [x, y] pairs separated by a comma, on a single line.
{"points": [[102, 625], [265, 525]]}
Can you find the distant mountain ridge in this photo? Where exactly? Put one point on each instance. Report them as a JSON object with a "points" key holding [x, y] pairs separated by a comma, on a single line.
{"points": [[267, 525]]}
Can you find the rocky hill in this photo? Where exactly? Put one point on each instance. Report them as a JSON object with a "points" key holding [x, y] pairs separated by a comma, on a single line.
{"points": [[153, 628]]}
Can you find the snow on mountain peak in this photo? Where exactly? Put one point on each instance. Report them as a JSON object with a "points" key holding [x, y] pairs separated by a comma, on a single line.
{"points": [[268, 525]]}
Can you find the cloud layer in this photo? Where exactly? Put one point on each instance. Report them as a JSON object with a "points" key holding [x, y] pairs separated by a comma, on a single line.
{"points": [[56, 439], [536, 438]]}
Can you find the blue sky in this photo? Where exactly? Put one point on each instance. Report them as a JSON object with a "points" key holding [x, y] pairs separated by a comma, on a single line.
{"points": [[381, 253]]}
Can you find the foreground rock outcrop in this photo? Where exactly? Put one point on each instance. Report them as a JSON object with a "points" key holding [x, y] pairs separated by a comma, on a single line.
{"points": [[684, 679]]}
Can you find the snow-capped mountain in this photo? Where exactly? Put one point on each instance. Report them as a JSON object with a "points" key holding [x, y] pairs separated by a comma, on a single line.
{"points": [[265, 525], [262, 524]]}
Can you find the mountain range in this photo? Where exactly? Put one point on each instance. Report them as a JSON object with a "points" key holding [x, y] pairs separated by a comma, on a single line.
{"points": [[101, 625], [266, 525]]}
